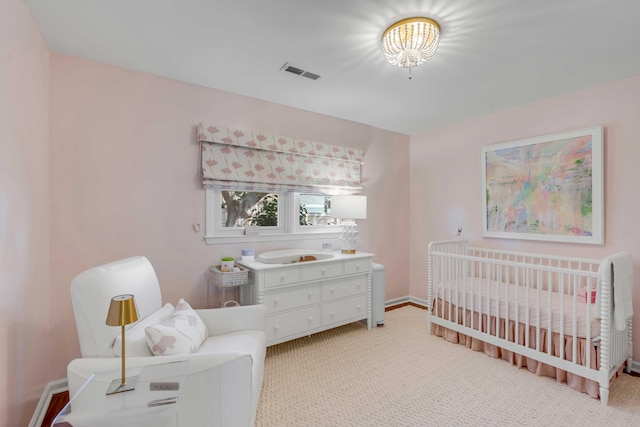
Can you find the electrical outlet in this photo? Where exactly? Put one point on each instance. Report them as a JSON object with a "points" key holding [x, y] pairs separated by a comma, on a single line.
{"points": [[326, 246]]}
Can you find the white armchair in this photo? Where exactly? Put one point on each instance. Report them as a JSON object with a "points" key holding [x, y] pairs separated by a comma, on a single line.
{"points": [[228, 397]]}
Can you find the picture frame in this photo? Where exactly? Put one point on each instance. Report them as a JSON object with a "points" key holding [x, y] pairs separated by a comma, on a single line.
{"points": [[547, 188]]}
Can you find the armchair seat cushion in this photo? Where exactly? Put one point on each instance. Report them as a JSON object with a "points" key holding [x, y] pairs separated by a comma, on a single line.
{"points": [[240, 342]]}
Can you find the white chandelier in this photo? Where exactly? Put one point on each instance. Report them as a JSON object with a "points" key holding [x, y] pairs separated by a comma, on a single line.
{"points": [[411, 42]]}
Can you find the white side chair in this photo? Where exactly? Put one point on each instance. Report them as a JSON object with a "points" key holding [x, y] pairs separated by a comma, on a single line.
{"points": [[232, 356]]}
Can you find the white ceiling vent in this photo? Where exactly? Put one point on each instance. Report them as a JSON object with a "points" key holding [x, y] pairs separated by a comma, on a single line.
{"points": [[299, 71]]}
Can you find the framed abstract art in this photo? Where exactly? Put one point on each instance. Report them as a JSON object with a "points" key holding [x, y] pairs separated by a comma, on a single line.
{"points": [[545, 188]]}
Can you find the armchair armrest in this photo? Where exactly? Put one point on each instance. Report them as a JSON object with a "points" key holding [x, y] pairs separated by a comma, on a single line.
{"points": [[221, 321], [217, 389], [79, 370]]}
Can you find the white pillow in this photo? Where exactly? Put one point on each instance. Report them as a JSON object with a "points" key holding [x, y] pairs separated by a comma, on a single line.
{"points": [[134, 334], [182, 333]]}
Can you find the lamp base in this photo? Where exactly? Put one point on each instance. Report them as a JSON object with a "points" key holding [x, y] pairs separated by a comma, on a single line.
{"points": [[117, 386], [349, 237]]}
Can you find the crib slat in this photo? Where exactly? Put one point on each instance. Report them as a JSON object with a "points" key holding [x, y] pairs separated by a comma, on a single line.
{"points": [[499, 289], [561, 317], [517, 330], [507, 310], [574, 348], [589, 313], [538, 309], [550, 315], [473, 295], [527, 304]]}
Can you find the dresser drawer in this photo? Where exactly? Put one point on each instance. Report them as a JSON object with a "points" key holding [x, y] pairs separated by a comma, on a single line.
{"points": [[292, 323], [344, 287], [360, 265], [281, 276], [320, 271], [343, 310], [291, 297]]}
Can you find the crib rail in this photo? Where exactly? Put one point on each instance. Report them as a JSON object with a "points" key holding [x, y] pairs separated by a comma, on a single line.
{"points": [[475, 291]]}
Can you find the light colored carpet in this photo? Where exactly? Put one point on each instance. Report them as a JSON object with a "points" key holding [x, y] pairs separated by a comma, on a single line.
{"points": [[400, 375]]}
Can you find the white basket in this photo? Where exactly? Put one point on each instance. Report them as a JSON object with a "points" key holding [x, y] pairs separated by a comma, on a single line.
{"points": [[226, 279]]}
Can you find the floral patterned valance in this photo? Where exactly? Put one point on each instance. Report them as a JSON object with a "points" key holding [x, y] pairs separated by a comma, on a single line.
{"points": [[258, 161]]}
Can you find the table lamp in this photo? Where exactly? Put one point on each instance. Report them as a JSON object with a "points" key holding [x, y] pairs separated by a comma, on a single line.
{"points": [[349, 208], [122, 311]]}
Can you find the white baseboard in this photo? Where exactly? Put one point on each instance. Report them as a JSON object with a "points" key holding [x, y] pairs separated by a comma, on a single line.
{"points": [[395, 301], [54, 387], [418, 301], [404, 300], [635, 366]]}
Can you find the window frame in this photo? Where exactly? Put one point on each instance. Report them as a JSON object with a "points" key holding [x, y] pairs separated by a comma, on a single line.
{"points": [[289, 227]]}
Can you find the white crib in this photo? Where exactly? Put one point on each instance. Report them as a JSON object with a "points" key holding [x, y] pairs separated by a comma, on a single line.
{"points": [[533, 310]]}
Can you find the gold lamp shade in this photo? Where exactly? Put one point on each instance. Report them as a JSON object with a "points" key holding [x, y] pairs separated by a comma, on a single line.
{"points": [[122, 310]]}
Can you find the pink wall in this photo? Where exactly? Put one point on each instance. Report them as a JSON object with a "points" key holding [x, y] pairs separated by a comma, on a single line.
{"points": [[446, 188], [124, 180], [24, 214], [117, 150]]}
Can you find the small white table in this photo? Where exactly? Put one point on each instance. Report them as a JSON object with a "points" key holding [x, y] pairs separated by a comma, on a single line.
{"points": [[217, 283], [153, 402]]}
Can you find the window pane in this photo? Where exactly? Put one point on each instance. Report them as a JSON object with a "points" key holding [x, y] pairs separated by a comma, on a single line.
{"points": [[240, 208], [315, 210]]}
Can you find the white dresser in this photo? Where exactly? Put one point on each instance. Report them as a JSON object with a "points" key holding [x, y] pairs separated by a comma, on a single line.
{"points": [[309, 297]]}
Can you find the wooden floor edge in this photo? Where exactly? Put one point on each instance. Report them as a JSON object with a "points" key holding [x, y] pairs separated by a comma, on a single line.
{"points": [[404, 304]]}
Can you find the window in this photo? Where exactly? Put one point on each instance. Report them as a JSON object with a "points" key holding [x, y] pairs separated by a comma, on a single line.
{"points": [[274, 182], [279, 216], [315, 210], [242, 208]]}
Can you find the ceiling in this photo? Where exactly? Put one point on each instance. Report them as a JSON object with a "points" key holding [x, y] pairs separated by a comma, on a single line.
{"points": [[493, 54]]}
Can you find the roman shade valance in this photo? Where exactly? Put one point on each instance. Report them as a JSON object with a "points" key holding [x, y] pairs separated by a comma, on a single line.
{"points": [[258, 161]]}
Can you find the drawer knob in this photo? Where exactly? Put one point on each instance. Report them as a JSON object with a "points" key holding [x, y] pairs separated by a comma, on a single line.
{"points": [[358, 307], [323, 271], [358, 267], [333, 313], [275, 302], [310, 294], [282, 277], [332, 290], [310, 319], [276, 327]]}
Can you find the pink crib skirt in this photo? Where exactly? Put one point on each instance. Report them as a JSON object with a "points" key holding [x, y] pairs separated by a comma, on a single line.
{"points": [[488, 324]]}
